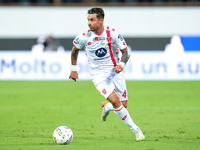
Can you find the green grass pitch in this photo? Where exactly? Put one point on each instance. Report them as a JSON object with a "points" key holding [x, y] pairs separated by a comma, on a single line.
{"points": [[168, 112]]}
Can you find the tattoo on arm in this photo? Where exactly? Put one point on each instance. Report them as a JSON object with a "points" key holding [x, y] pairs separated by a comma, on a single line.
{"points": [[125, 56], [74, 55]]}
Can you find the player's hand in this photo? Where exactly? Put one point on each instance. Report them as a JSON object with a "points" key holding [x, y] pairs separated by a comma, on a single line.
{"points": [[73, 75], [118, 68]]}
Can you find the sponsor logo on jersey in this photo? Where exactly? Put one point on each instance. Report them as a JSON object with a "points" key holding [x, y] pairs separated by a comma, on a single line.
{"points": [[99, 38], [101, 52], [120, 37]]}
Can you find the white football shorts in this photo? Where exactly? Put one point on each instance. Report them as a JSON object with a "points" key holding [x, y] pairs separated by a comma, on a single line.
{"points": [[106, 81]]}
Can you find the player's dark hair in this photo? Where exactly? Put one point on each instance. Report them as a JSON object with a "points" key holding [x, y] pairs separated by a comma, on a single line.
{"points": [[98, 11]]}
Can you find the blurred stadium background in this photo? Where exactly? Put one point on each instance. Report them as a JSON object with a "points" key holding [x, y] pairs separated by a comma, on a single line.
{"points": [[164, 40], [151, 28]]}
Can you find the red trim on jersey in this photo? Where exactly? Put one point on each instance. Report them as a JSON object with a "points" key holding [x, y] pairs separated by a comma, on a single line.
{"points": [[110, 47], [123, 49]]}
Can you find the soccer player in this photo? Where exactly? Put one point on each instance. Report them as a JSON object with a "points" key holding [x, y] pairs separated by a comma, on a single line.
{"points": [[107, 54]]}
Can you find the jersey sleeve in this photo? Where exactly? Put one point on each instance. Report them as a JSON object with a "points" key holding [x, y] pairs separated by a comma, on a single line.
{"points": [[78, 42], [119, 40]]}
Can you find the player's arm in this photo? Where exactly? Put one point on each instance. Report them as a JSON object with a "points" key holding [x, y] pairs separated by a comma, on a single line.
{"points": [[121, 44], [74, 55], [124, 59]]}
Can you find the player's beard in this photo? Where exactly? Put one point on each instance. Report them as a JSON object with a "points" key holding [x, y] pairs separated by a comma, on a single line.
{"points": [[93, 29]]}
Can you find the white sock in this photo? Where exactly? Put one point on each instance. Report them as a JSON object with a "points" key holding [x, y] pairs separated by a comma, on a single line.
{"points": [[123, 114], [109, 107]]}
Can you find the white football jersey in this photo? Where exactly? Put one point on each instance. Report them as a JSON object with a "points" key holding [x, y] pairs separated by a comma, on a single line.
{"points": [[101, 49]]}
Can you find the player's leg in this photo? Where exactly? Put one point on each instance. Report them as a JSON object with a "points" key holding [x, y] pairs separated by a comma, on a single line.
{"points": [[120, 89], [122, 112], [106, 108], [114, 99], [103, 83], [106, 87], [124, 103], [109, 107]]}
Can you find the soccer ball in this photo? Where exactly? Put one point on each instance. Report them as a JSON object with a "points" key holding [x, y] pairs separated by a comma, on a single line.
{"points": [[62, 135]]}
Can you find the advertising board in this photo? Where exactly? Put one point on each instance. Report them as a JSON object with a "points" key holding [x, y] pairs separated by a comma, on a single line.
{"points": [[141, 66]]}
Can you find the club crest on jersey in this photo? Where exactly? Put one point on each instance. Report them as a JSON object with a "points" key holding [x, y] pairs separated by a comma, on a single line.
{"points": [[101, 52], [104, 91]]}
